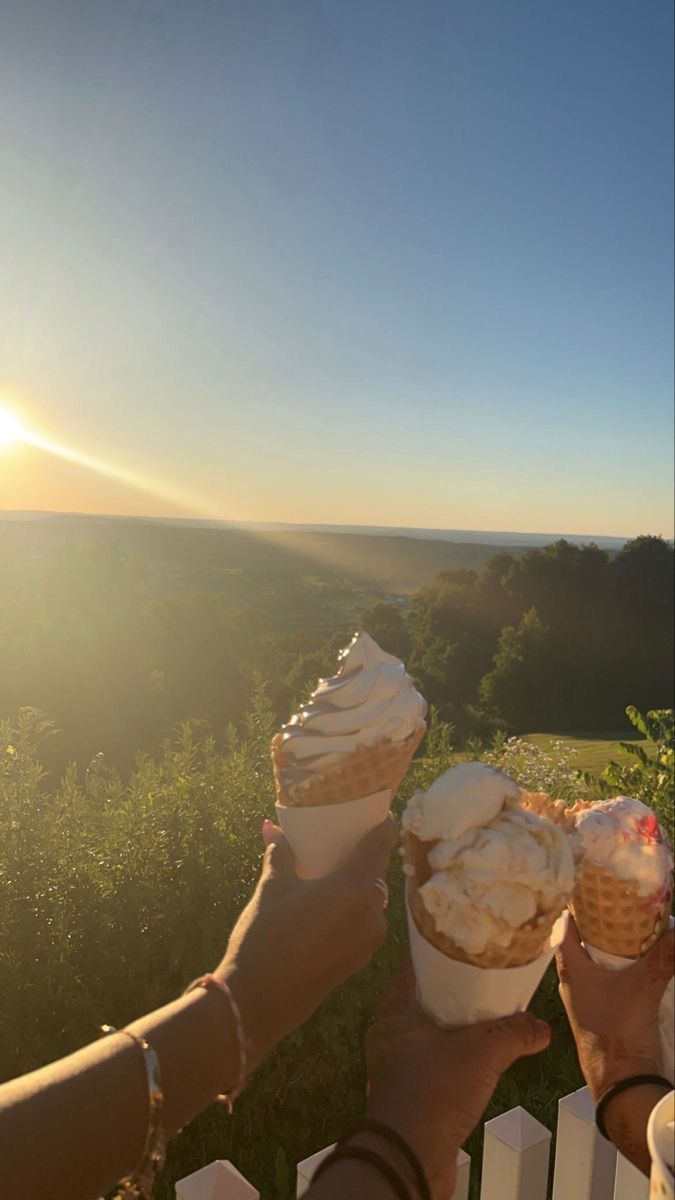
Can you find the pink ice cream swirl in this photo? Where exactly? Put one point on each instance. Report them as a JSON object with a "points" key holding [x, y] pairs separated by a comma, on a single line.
{"points": [[625, 838]]}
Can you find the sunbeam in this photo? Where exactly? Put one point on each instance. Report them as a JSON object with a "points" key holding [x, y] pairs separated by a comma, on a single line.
{"points": [[13, 430]]}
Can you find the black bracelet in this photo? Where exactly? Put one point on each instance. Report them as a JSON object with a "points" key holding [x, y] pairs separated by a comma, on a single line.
{"points": [[374, 1160], [623, 1086], [395, 1139]]}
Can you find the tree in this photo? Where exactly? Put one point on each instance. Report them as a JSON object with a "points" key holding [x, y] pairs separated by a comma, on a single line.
{"points": [[521, 684], [385, 623]]}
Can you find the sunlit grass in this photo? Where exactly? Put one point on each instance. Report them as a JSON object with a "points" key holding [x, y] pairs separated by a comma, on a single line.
{"points": [[592, 751]]}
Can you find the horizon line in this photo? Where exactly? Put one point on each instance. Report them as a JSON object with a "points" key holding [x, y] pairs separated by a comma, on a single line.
{"points": [[310, 525]]}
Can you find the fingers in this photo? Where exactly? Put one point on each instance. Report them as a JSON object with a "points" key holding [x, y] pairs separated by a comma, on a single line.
{"points": [[658, 964], [269, 829], [371, 857], [513, 1037], [571, 958]]}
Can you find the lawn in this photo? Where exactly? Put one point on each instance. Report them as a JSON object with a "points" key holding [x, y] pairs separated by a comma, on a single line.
{"points": [[592, 751]]}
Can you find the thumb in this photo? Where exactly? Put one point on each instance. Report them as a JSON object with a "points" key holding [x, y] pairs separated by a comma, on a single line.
{"points": [[279, 861], [512, 1037], [370, 858]]}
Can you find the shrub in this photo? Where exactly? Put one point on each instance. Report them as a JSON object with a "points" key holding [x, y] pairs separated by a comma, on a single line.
{"points": [[647, 777], [532, 768]]}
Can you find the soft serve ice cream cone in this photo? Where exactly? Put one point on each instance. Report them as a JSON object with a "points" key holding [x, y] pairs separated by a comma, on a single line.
{"points": [[621, 900], [339, 761], [487, 882]]}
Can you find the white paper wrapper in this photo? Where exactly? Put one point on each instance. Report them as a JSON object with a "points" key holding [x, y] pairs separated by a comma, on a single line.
{"points": [[324, 836], [614, 962], [661, 1148], [454, 993]]}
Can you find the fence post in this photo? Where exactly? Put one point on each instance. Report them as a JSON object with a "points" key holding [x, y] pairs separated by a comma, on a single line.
{"points": [[308, 1166], [630, 1184], [461, 1191], [220, 1180], [584, 1160], [515, 1157]]}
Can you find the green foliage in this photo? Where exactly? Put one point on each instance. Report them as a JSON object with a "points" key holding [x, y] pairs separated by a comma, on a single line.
{"points": [[647, 777], [522, 665], [385, 623], [561, 637], [553, 771], [121, 635]]}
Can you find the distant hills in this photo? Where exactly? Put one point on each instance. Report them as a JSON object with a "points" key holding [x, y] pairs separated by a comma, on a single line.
{"points": [[245, 561], [478, 537]]}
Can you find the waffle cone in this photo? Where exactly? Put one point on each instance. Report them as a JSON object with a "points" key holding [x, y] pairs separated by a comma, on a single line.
{"points": [[527, 944], [367, 770], [611, 914]]}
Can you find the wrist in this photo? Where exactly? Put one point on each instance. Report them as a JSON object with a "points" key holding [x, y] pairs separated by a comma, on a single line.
{"points": [[389, 1153], [219, 1029], [606, 1073], [350, 1178], [250, 1001], [623, 1117], [435, 1148]]}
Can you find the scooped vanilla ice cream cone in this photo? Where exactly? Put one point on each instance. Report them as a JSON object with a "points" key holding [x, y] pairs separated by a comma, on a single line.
{"points": [[357, 734], [621, 900], [487, 880]]}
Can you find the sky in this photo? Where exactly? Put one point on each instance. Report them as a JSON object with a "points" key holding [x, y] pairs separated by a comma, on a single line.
{"points": [[359, 262]]}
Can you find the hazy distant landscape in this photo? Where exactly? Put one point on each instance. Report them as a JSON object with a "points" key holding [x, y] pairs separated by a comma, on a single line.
{"points": [[371, 562], [262, 565], [118, 627]]}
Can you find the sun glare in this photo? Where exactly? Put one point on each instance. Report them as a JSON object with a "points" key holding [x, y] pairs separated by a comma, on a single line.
{"points": [[11, 429]]}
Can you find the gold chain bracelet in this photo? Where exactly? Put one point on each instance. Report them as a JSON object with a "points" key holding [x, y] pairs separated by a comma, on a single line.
{"points": [[139, 1185]]}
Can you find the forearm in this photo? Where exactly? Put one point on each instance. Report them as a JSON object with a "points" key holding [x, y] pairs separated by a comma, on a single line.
{"points": [[89, 1112], [626, 1123]]}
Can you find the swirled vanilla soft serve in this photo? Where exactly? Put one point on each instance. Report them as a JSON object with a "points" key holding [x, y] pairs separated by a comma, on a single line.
{"points": [[364, 721]]}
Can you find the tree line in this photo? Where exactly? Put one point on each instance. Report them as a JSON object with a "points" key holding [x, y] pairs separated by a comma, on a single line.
{"points": [[560, 638]]}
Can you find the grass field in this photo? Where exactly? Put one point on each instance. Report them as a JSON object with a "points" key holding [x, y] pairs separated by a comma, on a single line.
{"points": [[592, 751]]}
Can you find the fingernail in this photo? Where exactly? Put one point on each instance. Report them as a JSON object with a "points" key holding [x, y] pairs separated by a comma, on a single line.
{"points": [[542, 1028], [266, 831]]}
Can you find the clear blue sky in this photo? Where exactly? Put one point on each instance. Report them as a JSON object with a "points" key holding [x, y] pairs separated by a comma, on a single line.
{"points": [[363, 261]]}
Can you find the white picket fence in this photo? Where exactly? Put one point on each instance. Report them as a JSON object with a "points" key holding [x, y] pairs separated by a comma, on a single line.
{"points": [[515, 1163]]}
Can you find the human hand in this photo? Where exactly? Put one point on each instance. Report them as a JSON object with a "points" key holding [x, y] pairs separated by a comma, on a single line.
{"points": [[614, 1015], [432, 1085], [296, 940]]}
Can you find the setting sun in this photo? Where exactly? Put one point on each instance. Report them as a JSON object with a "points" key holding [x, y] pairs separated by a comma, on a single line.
{"points": [[11, 429]]}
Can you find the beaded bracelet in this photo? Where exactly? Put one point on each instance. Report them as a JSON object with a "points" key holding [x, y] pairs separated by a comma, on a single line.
{"points": [[141, 1181], [212, 981], [623, 1086]]}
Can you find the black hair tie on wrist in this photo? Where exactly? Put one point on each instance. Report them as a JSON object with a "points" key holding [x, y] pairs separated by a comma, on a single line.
{"points": [[394, 1139], [623, 1086], [374, 1160]]}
